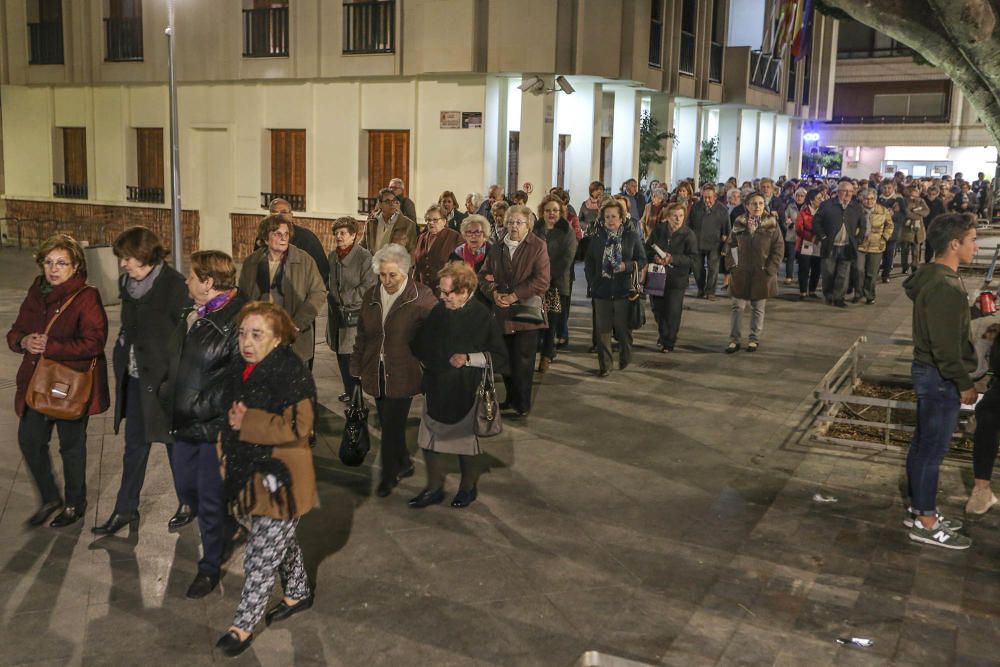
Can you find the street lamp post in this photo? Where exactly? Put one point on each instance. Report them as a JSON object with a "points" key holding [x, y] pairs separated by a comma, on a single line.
{"points": [[175, 167]]}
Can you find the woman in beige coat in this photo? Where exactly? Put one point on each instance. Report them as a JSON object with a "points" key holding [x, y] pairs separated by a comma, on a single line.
{"points": [[281, 273], [879, 225]]}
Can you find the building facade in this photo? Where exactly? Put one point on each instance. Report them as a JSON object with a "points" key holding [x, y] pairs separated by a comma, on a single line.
{"points": [[891, 113], [323, 101]]}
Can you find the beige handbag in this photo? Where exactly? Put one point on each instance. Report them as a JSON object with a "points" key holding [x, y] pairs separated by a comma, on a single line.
{"points": [[58, 391]]}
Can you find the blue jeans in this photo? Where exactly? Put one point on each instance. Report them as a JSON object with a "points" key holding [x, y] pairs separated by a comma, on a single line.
{"points": [[938, 405]]}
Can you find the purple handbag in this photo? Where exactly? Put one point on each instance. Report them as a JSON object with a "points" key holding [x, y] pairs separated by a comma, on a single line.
{"points": [[656, 280]]}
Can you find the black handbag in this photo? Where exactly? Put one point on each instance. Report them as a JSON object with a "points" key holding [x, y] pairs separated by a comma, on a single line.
{"points": [[349, 317], [528, 311], [487, 407], [355, 443]]}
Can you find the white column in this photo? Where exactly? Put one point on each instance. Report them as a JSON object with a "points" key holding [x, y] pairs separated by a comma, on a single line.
{"points": [[765, 146], [578, 115], [781, 146], [494, 133], [625, 151], [685, 161], [748, 145], [536, 142], [795, 148], [730, 124]]}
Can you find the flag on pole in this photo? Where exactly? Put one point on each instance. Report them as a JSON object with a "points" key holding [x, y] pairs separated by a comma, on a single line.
{"points": [[803, 37]]}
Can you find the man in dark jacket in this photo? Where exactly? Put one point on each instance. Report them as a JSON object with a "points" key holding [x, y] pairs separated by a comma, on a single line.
{"points": [[943, 359], [895, 204], [406, 205], [710, 223], [839, 225], [637, 201]]}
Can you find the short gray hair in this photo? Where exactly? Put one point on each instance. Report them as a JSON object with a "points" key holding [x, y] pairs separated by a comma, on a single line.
{"points": [[476, 219], [393, 253], [476, 198], [659, 192], [802, 190]]}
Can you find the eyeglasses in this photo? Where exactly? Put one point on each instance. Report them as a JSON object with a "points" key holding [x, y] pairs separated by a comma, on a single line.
{"points": [[388, 201], [58, 264], [474, 232], [430, 220], [515, 222], [281, 235]]}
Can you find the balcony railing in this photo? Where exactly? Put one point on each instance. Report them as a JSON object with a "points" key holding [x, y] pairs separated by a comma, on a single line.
{"points": [[895, 51], [764, 71], [265, 33], [46, 43], [879, 120], [123, 38], [69, 190], [147, 195], [298, 202], [715, 63], [367, 204], [687, 53], [370, 27]]}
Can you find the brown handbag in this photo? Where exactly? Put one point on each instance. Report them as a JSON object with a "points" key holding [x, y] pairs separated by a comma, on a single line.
{"points": [[58, 391]]}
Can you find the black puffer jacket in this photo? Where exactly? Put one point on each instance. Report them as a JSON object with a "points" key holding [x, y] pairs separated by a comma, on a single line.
{"points": [[193, 393], [560, 242]]}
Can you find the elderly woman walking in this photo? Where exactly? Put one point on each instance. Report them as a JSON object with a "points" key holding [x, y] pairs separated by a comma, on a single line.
{"points": [[61, 319], [612, 256], [755, 250], [878, 222], [391, 314], [434, 246], [283, 274], [560, 243], [154, 297], [351, 276], [515, 276], [267, 461], [458, 340]]}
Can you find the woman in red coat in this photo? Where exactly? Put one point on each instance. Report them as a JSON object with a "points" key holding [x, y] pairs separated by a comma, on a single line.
{"points": [[76, 340], [809, 260]]}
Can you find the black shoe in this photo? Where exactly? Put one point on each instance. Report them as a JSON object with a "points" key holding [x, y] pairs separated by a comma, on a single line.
{"points": [[465, 498], [116, 523], [623, 366], [603, 373], [425, 498], [231, 645], [69, 515], [840, 304], [752, 346], [506, 405], [202, 585], [856, 299], [732, 347], [869, 301], [385, 488], [519, 414], [344, 398], [592, 350], [44, 512], [885, 279], [283, 611], [182, 517], [406, 473], [562, 342]]}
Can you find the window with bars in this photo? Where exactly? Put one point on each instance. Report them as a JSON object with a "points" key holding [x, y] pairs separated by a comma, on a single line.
{"points": [[45, 32], [123, 30], [265, 29]]}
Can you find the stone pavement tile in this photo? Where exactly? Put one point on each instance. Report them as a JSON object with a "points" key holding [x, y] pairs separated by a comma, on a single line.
{"points": [[925, 643], [52, 635], [752, 645], [152, 631], [706, 635], [481, 579]]}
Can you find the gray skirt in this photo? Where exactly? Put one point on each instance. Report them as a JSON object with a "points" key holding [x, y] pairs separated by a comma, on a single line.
{"points": [[458, 438]]}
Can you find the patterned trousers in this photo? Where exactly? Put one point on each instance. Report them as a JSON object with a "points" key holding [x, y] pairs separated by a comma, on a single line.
{"points": [[271, 547]]}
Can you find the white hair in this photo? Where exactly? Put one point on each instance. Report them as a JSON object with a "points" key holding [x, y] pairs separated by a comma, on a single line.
{"points": [[476, 219], [476, 198], [394, 254]]}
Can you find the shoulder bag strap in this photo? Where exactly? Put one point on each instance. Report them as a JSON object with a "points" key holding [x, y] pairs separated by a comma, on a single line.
{"points": [[60, 311]]}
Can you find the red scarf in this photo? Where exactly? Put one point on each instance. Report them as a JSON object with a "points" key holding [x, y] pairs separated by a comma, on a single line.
{"points": [[247, 370], [343, 252], [472, 256]]}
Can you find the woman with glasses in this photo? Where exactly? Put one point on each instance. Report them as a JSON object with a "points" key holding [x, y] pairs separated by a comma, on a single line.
{"points": [[560, 242], [283, 274], [516, 273], [388, 225], [434, 247], [75, 339]]}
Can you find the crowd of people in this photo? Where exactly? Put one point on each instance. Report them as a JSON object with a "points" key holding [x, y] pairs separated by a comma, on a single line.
{"points": [[430, 308]]}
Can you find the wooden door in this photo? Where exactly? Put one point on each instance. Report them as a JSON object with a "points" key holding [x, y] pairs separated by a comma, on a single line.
{"points": [[288, 162], [388, 158], [149, 156], [75, 155]]}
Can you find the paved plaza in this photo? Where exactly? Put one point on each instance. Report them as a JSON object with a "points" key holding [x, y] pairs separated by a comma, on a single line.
{"points": [[663, 515]]}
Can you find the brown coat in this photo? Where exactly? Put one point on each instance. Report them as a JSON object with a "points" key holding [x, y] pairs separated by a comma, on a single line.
{"points": [[755, 275], [527, 275], [403, 377], [264, 428], [304, 293], [404, 232], [431, 255]]}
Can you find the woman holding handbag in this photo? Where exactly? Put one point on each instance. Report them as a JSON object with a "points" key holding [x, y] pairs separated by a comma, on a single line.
{"points": [[515, 276], [459, 339], [805, 244], [560, 243], [351, 276], [673, 246], [61, 327]]}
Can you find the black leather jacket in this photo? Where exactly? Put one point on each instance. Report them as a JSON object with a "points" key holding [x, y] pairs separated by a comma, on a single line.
{"points": [[200, 362]]}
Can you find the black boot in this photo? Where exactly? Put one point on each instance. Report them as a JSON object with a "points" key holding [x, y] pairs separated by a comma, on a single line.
{"points": [[116, 523]]}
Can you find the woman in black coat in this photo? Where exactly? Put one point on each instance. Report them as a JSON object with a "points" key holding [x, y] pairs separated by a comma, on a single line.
{"points": [[560, 241], [203, 347], [613, 254], [679, 247], [452, 347], [153, 297]]}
